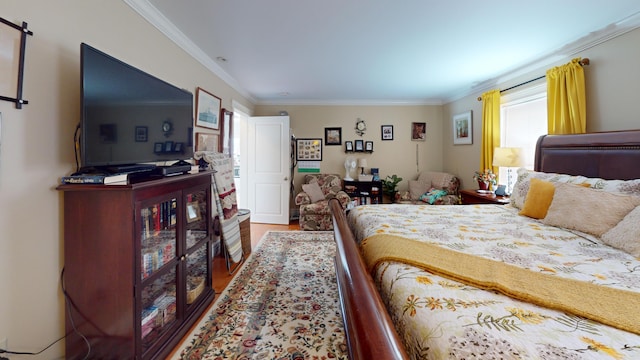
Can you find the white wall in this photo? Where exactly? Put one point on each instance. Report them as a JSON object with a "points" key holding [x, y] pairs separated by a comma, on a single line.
{"points": [[37, 147]]}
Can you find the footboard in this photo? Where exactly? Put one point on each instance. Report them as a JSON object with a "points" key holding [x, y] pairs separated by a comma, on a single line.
{"points": [[368, 327]]}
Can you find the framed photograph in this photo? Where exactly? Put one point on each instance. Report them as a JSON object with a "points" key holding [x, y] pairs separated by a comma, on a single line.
{"points": [[463, 129], [368, 146], [158, 148], [142, 134], [178, 147], [387, 132], [348, 146], [418, 131], [168, 146], [333, 136], [207, 142], [193, 212], [359, 145], [309, 149], [208, 108]]}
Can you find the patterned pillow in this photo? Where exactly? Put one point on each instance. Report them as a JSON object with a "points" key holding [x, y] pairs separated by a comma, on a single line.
{"points": [[521, 187]]}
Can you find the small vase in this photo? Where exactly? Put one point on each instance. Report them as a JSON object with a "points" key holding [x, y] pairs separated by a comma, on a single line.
{"points": [[483, 185]]}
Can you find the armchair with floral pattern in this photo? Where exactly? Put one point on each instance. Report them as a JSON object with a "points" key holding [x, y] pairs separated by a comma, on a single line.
{"points": [[313, 200]]}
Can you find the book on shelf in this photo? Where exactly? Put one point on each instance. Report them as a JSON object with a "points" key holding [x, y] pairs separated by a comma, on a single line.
{"points": [[114, 179]]}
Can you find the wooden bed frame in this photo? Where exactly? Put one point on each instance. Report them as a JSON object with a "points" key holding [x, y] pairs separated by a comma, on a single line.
{"points": [[369, 330]]}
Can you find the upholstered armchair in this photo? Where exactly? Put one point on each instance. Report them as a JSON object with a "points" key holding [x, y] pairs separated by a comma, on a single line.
{"points": [[317, 190], [436, 188]]}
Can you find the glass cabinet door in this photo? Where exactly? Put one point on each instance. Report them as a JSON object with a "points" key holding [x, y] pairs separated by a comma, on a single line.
{"points": [[197, 247], [197, 215], [158, 307], [197, 271], [158, 240]]}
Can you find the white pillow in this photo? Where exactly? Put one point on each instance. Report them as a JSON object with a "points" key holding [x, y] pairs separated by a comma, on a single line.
{"points": [[588, 210], [626, 235], [314, 191]]}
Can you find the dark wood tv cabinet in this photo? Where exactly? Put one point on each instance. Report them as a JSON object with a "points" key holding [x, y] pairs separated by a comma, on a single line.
{"points": [[137, 265]]}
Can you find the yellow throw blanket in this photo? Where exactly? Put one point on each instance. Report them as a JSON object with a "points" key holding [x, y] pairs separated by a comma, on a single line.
{"points": [[613, 307]]}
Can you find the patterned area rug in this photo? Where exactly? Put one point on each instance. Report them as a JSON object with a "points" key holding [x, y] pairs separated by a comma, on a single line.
{"points": [[282, 304]]}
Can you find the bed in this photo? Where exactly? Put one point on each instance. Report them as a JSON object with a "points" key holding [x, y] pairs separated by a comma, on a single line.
{"points": [[484, 281]]}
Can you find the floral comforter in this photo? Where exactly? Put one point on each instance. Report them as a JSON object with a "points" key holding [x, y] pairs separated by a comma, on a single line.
{"points": [[439, 318]]}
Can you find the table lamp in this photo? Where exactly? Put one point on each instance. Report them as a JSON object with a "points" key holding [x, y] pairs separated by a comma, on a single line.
{"points": [[507, 157], [363, 164]]}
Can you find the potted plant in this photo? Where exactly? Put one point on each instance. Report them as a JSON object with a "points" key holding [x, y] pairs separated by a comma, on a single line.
{"points": [[485, 179], [390, 186]]}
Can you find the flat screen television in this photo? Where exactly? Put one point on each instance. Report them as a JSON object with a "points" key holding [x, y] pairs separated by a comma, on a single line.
{"points": [[129, 117]]}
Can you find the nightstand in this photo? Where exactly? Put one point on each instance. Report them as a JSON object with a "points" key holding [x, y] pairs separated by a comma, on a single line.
{"points": [[472, 197]]}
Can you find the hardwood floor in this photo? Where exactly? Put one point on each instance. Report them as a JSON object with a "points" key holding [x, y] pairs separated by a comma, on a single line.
{"points": [[222, 278]]}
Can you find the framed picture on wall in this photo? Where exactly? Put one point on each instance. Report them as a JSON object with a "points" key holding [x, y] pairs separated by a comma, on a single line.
{"points": [[418, 131], [463, 128], [309, 149], [207, 142], [207, 109], [387, 132], [333, 136]]}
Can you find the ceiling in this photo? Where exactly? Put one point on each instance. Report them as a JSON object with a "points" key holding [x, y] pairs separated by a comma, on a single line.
{"points": [[382, 52]]}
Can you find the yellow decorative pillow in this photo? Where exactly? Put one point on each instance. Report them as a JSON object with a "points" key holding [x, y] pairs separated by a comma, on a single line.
{"points": [[538, 199], [588, 210]]}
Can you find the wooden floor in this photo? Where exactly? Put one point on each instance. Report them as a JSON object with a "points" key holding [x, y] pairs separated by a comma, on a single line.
{"points": [[221, 276]]}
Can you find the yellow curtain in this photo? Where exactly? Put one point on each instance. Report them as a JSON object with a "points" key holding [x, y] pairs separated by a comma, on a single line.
{"points": [[490, 128], [566, 100]]}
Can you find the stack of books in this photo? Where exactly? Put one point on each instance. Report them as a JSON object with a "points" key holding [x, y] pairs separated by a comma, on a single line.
{"points": [[106, 179]]}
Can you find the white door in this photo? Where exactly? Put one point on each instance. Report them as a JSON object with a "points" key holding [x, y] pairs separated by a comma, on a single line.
{"points": [[268, 171]]}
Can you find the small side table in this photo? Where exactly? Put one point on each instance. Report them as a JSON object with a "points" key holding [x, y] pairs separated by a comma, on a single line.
{"points": [[472, 197]]}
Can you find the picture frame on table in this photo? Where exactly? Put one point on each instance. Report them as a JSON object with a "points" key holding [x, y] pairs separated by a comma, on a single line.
{"points": [[208, 107], [463, 128], [359, 145], [309, 149], [387, 132], [193, 212], [333, 136], [418, 131]]}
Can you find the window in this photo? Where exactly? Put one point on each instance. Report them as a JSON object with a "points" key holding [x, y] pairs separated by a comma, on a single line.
{"points": [[523, 120]]}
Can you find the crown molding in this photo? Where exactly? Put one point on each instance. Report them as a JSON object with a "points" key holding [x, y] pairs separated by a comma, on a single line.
{"points": [[568, 51], [349, 102], [155, 18], [158, 20]]}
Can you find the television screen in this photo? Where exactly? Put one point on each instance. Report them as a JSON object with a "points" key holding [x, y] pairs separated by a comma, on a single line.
{"points": [[130, 117]]}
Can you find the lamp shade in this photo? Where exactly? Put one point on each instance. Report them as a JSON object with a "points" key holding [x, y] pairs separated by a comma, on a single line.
{"points": [[362, 163], [507, 156]]}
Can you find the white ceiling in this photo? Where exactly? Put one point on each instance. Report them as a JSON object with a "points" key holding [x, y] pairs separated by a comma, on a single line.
{"points": [[376, 51]]}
